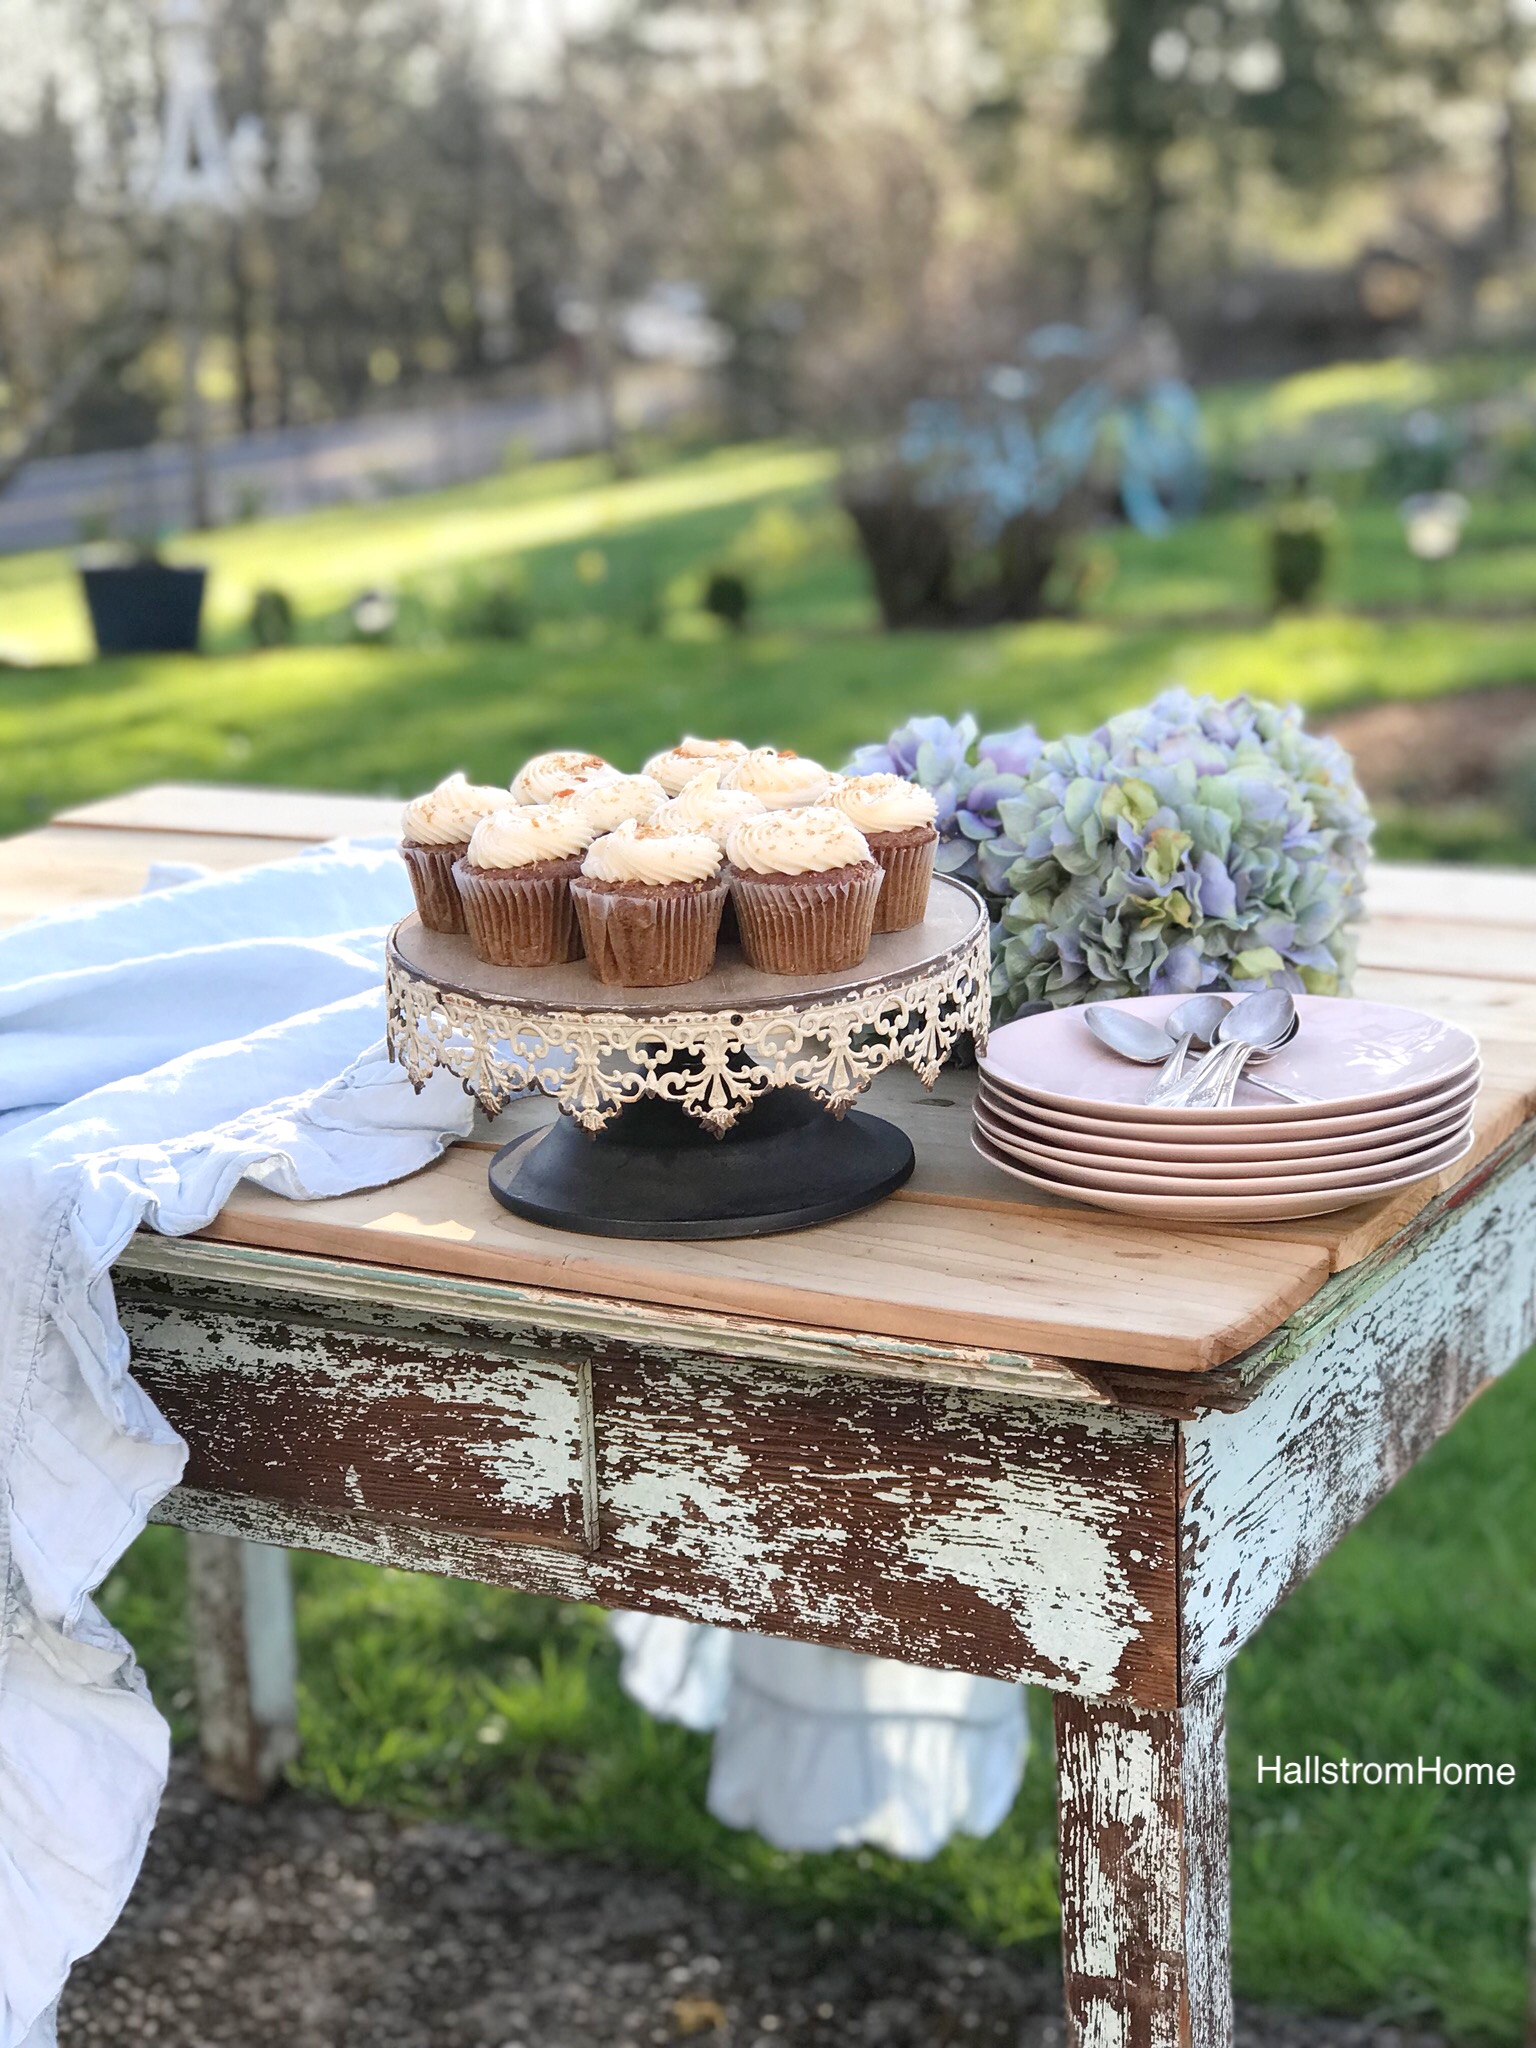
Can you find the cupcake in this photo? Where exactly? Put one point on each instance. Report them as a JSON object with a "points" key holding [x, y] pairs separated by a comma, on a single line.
{"points": [[547, 776], [435, 833], [703, 806], [614, 799], [515, 883], [780, 782], [678, 765], [896, 817], [649, 899], [806, 888]]}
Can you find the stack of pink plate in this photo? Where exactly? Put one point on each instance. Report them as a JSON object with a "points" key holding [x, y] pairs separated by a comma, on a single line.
{"points": [[1391, 1094]]}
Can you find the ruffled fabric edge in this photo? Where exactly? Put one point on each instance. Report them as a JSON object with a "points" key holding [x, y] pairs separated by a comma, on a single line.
{"points": [[819, 1749], [77, 1426]]}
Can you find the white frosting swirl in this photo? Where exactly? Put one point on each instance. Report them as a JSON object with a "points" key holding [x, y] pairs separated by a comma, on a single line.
{"points": [[606, 803], [810, 841], [782, 782], [518, 836], [882, 803], [675, 769], [447, 815], [704, 806], [547, 775], [651, 853]]}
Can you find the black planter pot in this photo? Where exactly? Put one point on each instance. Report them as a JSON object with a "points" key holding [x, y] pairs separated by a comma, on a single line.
{"points": [[143, 607]]}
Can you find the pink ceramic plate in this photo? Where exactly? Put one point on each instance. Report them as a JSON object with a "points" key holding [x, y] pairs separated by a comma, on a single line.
{"points": [[1147, 1176], [1199, 1208], [1349, 1055], [1196, 1131], [1075, 1137]]}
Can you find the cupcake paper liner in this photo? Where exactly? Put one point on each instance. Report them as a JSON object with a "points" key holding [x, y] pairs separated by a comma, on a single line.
{"points": [[810, 924], [652, 939], [907, 865], [521, 917], [437, 894]]}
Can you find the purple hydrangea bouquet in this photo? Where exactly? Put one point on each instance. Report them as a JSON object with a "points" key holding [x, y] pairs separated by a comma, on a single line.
{"points": [[1194, 843]]}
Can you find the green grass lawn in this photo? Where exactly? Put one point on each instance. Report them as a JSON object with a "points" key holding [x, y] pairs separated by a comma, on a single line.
{"points": [[621, 659], [1418, 1635], [1415, 1637]]}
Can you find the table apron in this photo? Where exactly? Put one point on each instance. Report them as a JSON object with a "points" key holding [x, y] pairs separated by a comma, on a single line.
{"points": [[977, 1530]]}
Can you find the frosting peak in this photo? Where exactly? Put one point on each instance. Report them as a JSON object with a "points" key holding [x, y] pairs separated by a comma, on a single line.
{"points": [[547, 775], [653, 853], [675, 768], [608, 801], [779, 781], [809, 841], [447, 815], [518, 836], [882, 803], [703, 806]]}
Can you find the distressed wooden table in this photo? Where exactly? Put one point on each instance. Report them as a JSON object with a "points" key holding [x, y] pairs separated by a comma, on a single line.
{"points": [[1006, 1436]]}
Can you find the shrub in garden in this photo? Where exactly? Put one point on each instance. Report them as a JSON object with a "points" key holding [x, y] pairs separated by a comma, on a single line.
{"points": [[490, 607], [1300, 550], [728, 597], [272, 620]]}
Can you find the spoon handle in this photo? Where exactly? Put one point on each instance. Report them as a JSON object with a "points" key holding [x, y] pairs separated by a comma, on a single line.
{"points": [[1172, 1070]]}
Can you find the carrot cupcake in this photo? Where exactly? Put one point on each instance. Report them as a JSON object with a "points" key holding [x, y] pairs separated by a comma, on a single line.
{"points": [[678, 765], [649, 899], [546, 776], [703, 806], [806, 887], [435, 833], [515, 883], [612, 799], [780, 782], [897, 818]]}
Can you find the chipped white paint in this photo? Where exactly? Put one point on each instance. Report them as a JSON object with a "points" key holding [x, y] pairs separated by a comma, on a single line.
{"points": [[1145, 1919], [245, 1656], [1053, 1566], [1397, 1349], [542, 1317]]}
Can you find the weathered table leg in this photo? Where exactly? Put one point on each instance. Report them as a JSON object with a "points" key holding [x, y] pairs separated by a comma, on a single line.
{"points": [[1144, 1882], [245, 1658]]}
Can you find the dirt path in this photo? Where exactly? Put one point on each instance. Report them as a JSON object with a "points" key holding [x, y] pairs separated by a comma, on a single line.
{"points": [[305, 1925]]}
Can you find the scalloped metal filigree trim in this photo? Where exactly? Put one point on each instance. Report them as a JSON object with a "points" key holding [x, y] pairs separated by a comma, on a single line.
{"points": [[713, 1064]]}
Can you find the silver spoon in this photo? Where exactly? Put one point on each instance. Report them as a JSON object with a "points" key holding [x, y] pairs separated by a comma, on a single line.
{"points": [[1196, 1021], [1260, 1024], [1148, 1044]]}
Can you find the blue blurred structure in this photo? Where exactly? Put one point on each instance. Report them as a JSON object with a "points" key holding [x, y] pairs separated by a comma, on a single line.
{"points": [[1018, 447]]}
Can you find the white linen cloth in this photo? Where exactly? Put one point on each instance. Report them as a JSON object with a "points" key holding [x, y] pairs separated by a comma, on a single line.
{"points": [[151, 1054]]}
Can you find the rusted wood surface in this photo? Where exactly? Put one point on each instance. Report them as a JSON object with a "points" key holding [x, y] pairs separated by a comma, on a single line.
{"points": [[1142, 1812], [970, 1529], [245, 1660], [1347, 1400]]}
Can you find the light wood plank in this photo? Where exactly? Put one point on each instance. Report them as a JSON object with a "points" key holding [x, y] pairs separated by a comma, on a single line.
{"points": [[62, 866], [1450, 947], [1416, 889], [1076, 1283], [240, 811]]}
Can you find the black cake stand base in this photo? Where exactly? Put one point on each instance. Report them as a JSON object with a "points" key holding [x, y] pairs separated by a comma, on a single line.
{"points": [[654, 1172]]}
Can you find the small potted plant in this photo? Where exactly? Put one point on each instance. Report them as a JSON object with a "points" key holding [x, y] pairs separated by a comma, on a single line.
{"points": [[140, 604]]}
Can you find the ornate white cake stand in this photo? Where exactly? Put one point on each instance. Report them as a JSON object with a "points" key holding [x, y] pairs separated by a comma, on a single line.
{"points": [[719, 1109]]}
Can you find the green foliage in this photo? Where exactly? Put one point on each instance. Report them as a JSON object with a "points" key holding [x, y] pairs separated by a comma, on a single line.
{"points": [[272, 618], [490, 606], [728, 597], [1300, 541]]}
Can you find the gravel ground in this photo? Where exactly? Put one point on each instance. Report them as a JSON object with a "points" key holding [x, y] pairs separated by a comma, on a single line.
{"points": [[309, 1926]]}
